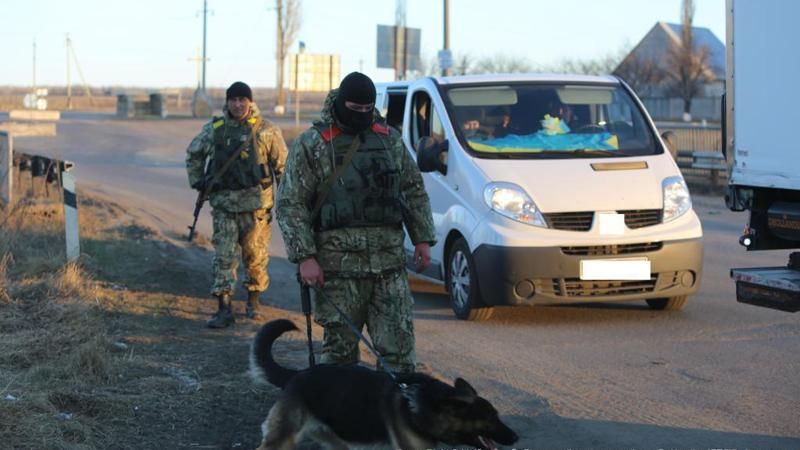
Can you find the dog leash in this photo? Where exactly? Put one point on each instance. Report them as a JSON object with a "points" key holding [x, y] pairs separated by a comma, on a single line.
{"points": [[360, 335], [305, 299]]}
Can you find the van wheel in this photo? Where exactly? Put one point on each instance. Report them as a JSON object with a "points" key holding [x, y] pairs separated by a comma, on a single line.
{"points": [[668, 304], [462, 284]]}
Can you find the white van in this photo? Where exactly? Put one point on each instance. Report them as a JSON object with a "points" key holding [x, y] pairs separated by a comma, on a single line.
{"points": [[547, 189]]}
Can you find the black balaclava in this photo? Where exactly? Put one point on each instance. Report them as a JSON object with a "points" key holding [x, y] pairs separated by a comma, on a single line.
{"points": [[357, 88]]}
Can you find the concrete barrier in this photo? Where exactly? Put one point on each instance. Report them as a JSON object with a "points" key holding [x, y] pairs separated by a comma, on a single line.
{"points": [[31, 114], [19, 129]]}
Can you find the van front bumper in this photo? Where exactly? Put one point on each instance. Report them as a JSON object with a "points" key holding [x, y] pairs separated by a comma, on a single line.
{"points": [[551, 275]]}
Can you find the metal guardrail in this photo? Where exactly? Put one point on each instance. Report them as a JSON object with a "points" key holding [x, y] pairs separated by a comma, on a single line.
{"points": [[703, 160]]}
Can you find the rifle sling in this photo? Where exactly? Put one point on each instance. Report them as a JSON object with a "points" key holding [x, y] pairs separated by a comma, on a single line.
{"points": [[326, 188], [229, 162]]}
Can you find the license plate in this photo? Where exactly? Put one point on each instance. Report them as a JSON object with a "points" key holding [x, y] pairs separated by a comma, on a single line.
{"points": [[611, 223], [615, 269]]}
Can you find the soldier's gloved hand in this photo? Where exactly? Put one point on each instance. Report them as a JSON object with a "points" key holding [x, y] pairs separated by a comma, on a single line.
{"points": [[311, 272], [199, 186]]}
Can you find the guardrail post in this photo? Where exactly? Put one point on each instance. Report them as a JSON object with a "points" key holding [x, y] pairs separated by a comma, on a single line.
{"points": [[71, 217], [6, 168]]}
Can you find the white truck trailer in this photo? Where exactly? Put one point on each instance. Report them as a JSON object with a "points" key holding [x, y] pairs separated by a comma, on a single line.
{"points": [[762, 143]]}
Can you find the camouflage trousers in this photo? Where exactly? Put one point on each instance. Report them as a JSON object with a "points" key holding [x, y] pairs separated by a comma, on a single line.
{"points": [[383, 303], [247, 233]]}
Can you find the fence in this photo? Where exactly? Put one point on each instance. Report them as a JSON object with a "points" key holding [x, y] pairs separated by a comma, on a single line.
{"points": [[703, 108], [699, 150], [50, 171]]}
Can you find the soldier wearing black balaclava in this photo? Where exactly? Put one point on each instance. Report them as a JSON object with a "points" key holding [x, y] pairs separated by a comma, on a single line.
{"points": [[349, 188], [356, 89]]}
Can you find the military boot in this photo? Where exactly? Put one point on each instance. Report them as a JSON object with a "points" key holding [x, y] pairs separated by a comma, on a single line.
{"points": [[252, 304], [224, 315]]}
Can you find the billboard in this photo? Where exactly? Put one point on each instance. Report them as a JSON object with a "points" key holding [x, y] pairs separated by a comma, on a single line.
{"points": [[317, 73]]}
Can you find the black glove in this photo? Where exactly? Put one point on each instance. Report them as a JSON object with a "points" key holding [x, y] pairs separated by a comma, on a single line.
{"points": [[199, 186]]}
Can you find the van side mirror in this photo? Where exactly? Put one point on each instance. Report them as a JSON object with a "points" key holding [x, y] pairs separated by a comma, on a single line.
{"points": [[669, 139], [432, 155]]}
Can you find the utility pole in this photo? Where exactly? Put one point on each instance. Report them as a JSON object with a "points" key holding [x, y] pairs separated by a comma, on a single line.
{"points": [[400, 40], [34, 67], [197, 60], [280, 57], [69, 81], [446, 72], [205, 14], [71, 51]]}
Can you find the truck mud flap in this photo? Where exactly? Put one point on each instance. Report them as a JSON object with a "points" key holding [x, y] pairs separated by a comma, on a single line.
{"points": [[768, 287], [766, 297]]}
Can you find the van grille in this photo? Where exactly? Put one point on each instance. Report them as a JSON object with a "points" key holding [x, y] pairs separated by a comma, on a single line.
{"points": [[576, 288], [582, 221], [621, 249], [639, 218], [570, 221]]}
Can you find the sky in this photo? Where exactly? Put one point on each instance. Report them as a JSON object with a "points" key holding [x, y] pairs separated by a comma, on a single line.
{"points": [[149, 43]]}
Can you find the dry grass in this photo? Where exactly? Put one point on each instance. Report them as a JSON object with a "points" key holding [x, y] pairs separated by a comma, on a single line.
{"points": [[56, 347], [98, 355]]}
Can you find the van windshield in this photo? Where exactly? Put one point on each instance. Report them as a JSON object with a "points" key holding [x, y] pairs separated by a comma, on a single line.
{"points": [[549, 121]]}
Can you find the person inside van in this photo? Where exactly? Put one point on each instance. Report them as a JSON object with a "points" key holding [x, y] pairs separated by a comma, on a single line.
{"points": [[505, 125]]}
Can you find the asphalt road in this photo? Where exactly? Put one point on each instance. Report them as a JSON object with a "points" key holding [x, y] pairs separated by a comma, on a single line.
{"points": [[717, 375]]}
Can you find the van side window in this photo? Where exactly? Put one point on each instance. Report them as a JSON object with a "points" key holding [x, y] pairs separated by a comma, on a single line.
{"points": [[424, 120], [394, 112]]}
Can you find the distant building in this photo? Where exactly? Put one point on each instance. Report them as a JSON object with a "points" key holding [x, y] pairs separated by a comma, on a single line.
{"points": [[651, 55], [645, 69]]}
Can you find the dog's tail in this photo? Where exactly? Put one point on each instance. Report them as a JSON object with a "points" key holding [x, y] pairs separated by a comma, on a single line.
{"points": [[262, 365]]}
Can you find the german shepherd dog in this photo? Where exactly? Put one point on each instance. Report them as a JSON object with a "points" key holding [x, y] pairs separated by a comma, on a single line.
{"points": [[348, 406]]}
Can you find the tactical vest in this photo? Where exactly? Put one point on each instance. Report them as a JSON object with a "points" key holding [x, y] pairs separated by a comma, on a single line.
{"points": [[249, 168], [368, 191]]}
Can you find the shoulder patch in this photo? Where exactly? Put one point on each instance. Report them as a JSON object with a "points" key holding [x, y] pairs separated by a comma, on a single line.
{"points": [[330, 133], [380, 129], [218, 123], [252, 120]]}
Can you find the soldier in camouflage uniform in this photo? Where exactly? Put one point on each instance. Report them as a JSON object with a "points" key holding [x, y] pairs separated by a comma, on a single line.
{"points": [[353, 248], [243, 151]]}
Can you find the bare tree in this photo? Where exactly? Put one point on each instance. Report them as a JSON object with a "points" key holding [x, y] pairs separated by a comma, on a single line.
{"points": [[289, 20], [602, 65], [463, 64], [429, 66], [640, 73], [501, 64], [687, 65]]}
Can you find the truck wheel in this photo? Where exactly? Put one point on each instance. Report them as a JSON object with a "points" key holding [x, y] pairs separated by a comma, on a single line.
{"points": [[462, 284], [668, 304]]}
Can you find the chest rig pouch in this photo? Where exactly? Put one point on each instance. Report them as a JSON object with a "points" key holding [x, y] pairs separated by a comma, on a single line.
{"points": [[367, 193], [244, 171]]}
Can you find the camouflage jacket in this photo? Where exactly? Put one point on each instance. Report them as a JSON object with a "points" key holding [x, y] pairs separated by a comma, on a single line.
{"points": [[349, 251], [269, 141]]}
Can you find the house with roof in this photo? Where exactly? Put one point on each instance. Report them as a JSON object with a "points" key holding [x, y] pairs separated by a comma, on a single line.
{"points": [[644, 68]]}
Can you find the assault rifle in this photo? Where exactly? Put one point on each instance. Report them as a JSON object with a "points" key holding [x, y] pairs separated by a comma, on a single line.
{"points": [[210, 180], [202, 196]]}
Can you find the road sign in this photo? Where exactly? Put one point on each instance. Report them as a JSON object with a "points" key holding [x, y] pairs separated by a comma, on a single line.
{"points": [[445, 59], [405, 41]]}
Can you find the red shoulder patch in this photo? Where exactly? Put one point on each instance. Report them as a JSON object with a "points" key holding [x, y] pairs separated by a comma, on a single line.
{"points": [[330, 133], [380, 129]]}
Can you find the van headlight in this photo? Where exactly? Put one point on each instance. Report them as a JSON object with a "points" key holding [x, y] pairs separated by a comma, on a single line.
{"points": [[513, 202], [676, 198]]}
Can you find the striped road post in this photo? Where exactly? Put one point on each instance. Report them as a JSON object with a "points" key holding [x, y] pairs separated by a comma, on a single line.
{"points": [[6, 168], [71, 217]]}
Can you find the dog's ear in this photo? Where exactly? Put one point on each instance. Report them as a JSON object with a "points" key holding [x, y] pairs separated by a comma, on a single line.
{"points": [[464, 391], [462, 385]]}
